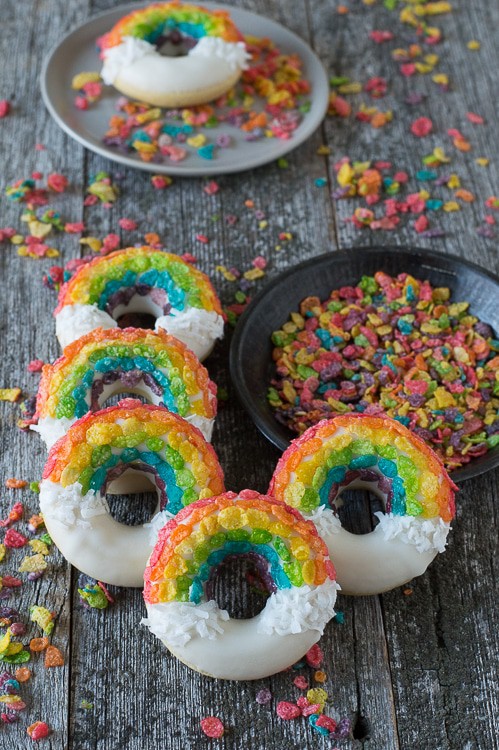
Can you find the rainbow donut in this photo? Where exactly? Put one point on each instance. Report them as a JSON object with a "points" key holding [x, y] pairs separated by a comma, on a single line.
{"points": [[141, 280], [380, 454], [136, 62], [292, 561], [104, 363], [125, 445]]}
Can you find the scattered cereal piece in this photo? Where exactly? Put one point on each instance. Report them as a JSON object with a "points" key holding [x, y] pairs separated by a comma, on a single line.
{"points": [[263, 697], [22, 674], [421, 127], [43, 618], [15, 484], [35, 365], [301, 682], [212, 727], [38, 644], [9, 394], [314, 656], [38, 731], [53, 657], [127, 224], [14, 539], [287, 711], [57, 182]]}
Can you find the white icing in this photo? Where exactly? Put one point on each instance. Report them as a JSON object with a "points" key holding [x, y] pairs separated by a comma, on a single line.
{"points": [[241, 652], [370, 563], [299, 609], [51, 429], [122, 55], [156, 524], [196, 327], [89, 537], [73, 321], [69, 506], [138, 70], [234, 53], [325, 521], [178, 622], [424, 533]]}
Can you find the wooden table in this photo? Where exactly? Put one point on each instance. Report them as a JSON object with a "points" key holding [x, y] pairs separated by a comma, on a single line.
{"points": [[411, 671]]}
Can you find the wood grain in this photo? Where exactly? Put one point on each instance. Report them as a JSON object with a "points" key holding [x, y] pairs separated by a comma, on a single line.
{"points": [[420, 670]]}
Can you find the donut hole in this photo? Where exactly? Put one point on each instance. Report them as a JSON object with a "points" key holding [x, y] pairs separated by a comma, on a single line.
{"points": [[173, 43], [143, 320], [238, 587], [142, 303], [356, 508], [119, 394], [132, 497], [133, 509]]}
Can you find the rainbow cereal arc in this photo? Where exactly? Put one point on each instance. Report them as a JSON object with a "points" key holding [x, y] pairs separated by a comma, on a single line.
{"points": [[99, 449], [162, 18], [102, 363], [141, 279], [383, 455], [293, 564]]}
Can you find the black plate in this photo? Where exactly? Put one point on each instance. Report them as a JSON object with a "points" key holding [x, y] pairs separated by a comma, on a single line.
{"points": [[251, 350]]}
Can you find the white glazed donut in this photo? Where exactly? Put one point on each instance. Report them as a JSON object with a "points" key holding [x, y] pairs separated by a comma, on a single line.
{"points": [[141, 280], [380, 454], [292, 561], [130, 445], [106, 362], [134, 64]]}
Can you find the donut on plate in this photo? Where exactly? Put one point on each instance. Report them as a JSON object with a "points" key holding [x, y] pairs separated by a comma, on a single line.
{"points": [[130, 446], [106, 362], [382, 455], [141, 280], [141, 60], [292, 561]]}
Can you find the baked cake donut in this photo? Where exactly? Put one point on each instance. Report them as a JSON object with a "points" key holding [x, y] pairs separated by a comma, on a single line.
{"points": [[130, 445], [292, 561], [136, 62], [382, 455], [141, 280], [107, 362]]}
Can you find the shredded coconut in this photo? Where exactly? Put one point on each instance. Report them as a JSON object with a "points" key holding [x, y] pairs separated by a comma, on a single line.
{"points": [[51, 429], [68, 506], [73, 321], [297, 610], [325, 521], [126, 53], [234, 53], [178, 622], [204, 425], [197, 328], [424, 533]]}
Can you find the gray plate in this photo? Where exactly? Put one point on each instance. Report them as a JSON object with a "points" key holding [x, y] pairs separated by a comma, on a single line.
{"points": [[77, 52]]}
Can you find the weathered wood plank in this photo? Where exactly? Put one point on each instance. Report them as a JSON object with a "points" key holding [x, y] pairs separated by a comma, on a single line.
{"points": [[27, 332], [419, 668]]}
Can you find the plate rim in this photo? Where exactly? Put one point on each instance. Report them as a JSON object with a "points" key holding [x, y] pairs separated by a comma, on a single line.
{"points": [[236, 369], [210, 169]]}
